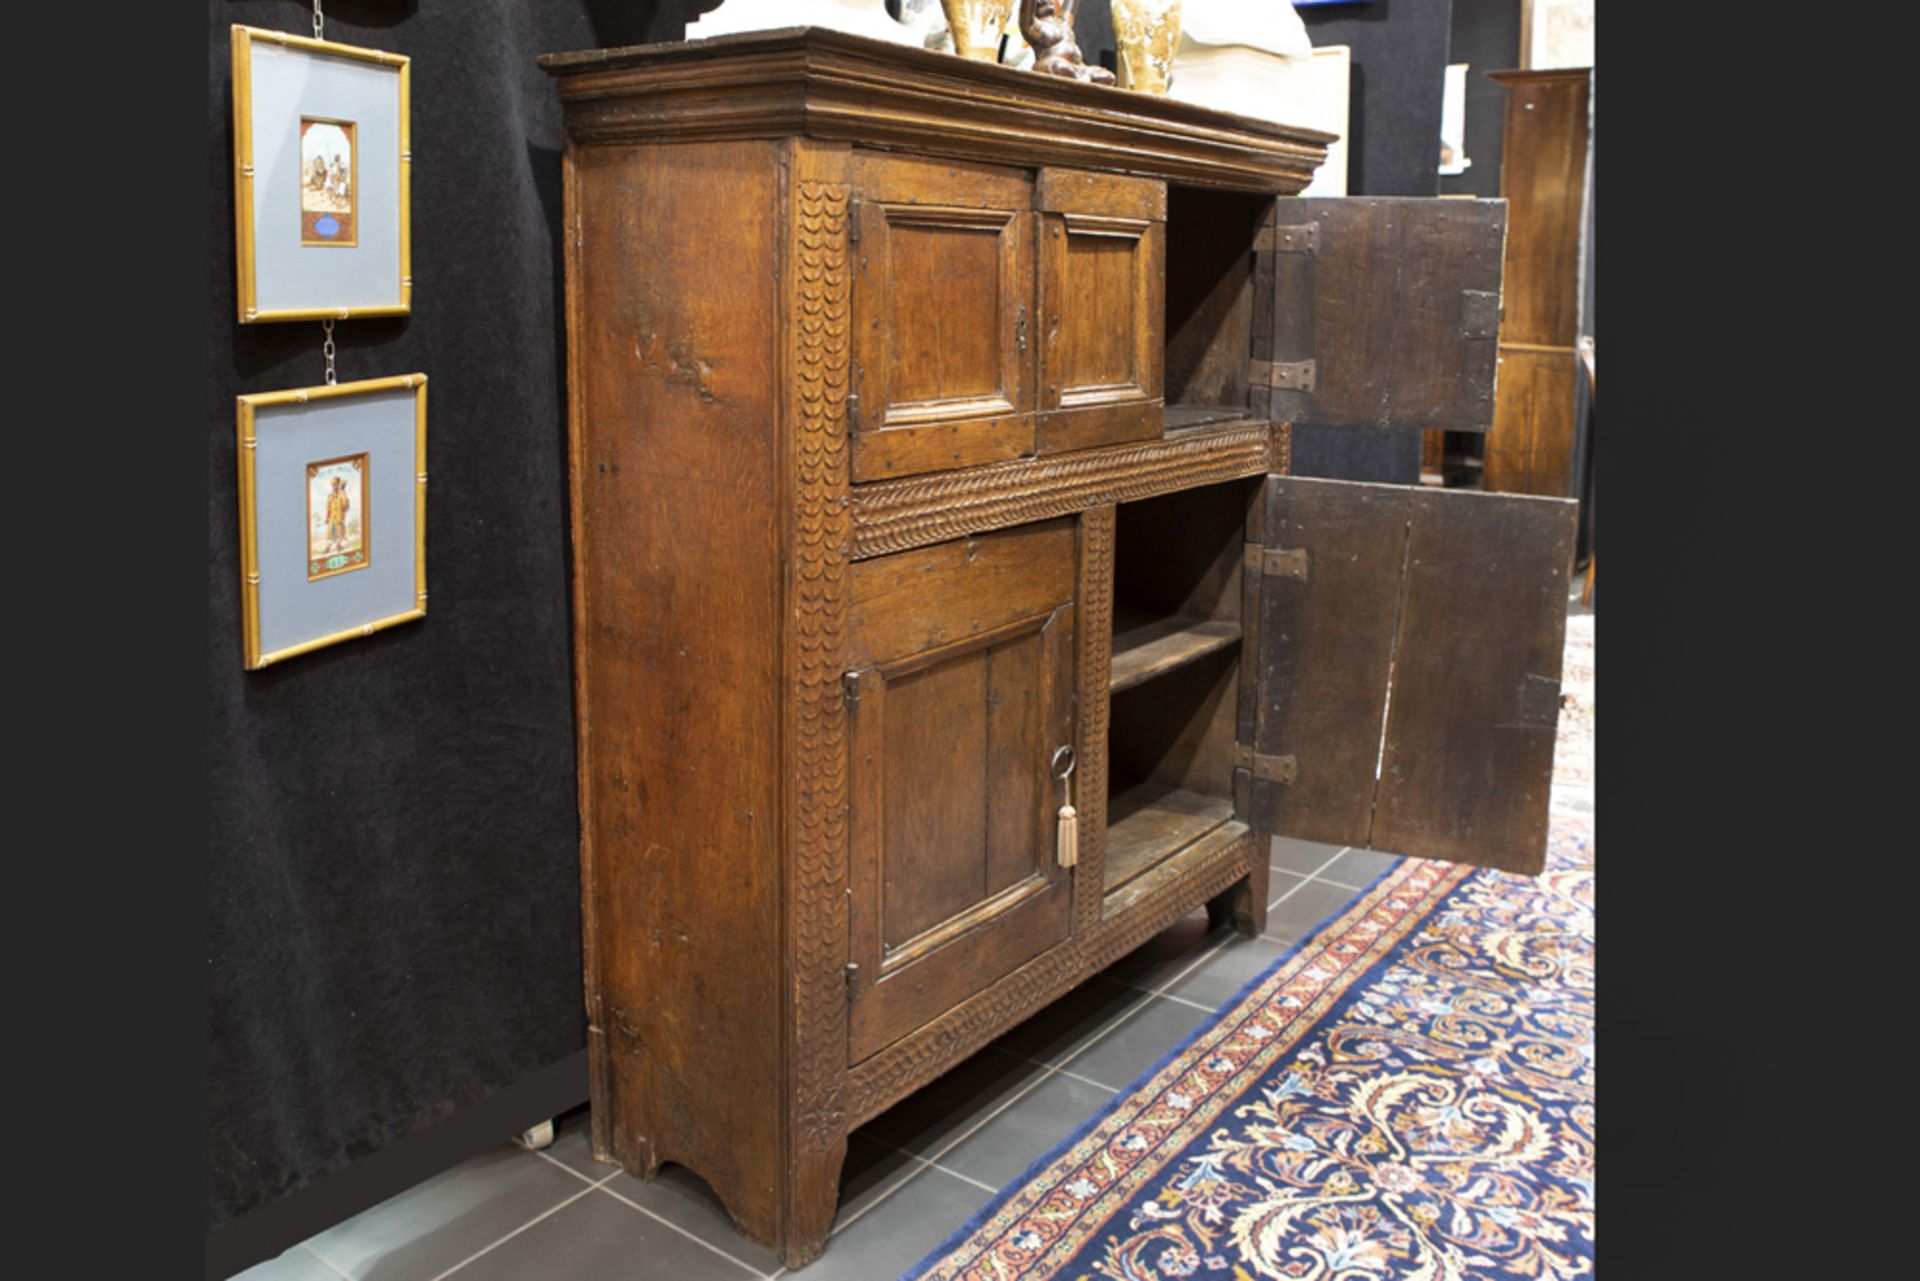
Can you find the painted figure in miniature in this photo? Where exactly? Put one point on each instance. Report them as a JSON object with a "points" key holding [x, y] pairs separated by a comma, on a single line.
{"points": [[337, 505]]}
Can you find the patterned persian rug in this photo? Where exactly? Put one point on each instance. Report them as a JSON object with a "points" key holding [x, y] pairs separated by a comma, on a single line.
{"points": [[1408, 1094]]}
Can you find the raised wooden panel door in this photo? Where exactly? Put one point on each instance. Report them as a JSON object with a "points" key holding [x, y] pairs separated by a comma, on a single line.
{"points": [[1102, 309], [1409, 645], [1378, 312], [942, 311], [961, 692]]}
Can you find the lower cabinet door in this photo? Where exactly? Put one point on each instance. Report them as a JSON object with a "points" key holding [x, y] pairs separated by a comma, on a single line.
{"points": [[962, 691]]}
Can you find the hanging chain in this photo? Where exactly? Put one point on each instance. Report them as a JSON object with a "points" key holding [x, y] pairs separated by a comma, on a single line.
{"points": [[319, 27], [326, 349]]}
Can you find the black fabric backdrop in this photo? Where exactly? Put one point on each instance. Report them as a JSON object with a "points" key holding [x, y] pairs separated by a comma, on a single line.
{"points": [[394, 913], [393, 898]]}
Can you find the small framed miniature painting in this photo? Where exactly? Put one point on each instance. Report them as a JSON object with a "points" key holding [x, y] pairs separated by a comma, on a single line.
{"points": [[322, 170], [333, 514]]}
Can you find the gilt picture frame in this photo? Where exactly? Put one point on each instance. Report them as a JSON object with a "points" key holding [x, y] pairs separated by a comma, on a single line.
{"points": [[333, 514], [322, 173]]}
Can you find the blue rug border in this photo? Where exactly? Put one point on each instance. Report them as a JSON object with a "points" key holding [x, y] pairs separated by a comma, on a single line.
{"points": [[1000, 1198]]}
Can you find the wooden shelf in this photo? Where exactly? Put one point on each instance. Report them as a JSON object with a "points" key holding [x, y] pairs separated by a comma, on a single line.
{"points": [[1144, 649], [1186, 417], [1151, 822]]}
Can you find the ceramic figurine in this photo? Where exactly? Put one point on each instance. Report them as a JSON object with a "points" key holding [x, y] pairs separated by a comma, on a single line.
{"points": [[977, 25], [1048, 27]]}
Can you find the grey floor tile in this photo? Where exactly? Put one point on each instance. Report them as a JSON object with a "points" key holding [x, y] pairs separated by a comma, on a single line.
{"points": [[573, 1147], [430, 1227], [1282, 882], [683, 1199], [1215, 981], [1304, 857], [600, 1238], [1134, 1046], [1172, 950], [930, 1118], [1359, 867], [872, 1170], [1061, 1029], [295, 1265], [1302, 912], [894, 1235], [1000, 1150]]}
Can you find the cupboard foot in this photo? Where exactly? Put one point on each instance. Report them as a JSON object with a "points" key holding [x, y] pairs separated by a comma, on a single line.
{"points": [[815, 1196], [1242, 904]]}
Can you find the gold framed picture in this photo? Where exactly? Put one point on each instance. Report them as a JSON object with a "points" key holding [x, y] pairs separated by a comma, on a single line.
{"points": [[322, 173], [333, 514]]}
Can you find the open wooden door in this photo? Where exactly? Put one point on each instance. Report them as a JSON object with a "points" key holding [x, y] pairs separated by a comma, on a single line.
{"points": [[1378, 312], [1407, 645]]}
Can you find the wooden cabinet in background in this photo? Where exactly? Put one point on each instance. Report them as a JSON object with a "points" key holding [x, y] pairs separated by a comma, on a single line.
{"points": [[927, 418], [1543, 168]]}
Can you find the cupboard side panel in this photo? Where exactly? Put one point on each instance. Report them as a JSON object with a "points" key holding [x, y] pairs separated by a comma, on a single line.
{"points": [[676, 568]]}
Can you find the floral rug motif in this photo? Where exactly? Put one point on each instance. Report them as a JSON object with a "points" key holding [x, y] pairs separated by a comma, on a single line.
{"points": [[1408, 1094]]}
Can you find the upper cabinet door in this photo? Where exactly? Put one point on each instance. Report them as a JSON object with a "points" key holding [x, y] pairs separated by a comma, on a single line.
{"points": [[942, 313], [1102, 308], [1408, 644], [1378, 312]]}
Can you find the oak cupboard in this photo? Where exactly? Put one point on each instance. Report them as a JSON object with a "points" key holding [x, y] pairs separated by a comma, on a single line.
{"points": [[929, 429]]}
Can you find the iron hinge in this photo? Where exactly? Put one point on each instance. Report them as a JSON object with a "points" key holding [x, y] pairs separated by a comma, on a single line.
{"points": [[1277, 562], [1479, 313], [850, 689], [853, 222], [853, 981], [1302, 238], [1283, 375], [853, 414], [1272, 769]]}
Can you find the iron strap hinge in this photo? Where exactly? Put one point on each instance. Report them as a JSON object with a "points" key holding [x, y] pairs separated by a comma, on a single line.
{"points": [[1277, 562], [1283, 375], [1272, 769], [1479, 313], [1301, 238]]}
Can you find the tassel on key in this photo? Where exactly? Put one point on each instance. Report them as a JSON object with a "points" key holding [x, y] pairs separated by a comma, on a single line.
{"points": [[1066, 849], [1067, 844]]}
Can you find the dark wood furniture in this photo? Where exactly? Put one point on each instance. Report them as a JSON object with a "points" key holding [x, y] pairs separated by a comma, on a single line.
{"points": [[928, 417], [1543, 175]]}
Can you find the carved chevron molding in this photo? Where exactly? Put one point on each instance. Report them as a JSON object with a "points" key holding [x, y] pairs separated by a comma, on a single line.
{"points": [[893, 515]]}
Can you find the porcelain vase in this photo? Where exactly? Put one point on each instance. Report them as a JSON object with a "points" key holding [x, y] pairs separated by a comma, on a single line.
{"points": [[1146, 32]]}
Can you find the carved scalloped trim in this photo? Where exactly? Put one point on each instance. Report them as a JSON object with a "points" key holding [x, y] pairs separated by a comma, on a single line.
{"points": [[817, 910]]}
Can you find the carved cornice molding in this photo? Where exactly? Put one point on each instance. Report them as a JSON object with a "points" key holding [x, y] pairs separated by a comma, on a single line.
{"points": [[893, 515], [846, 88]]}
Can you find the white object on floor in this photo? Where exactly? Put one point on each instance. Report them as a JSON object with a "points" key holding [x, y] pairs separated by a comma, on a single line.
{"points": [[861, 17], [540, 1136]]}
